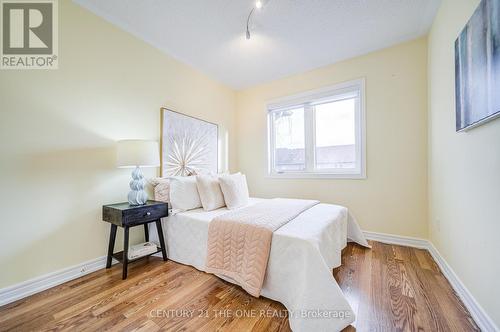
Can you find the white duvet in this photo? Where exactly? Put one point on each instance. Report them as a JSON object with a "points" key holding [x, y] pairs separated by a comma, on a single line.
{"points": [[299, 271]]}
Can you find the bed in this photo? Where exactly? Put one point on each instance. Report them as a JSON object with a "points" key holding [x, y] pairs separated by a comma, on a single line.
{"points": [[299, 271]]}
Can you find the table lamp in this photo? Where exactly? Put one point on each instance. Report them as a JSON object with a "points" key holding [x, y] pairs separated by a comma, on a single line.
{"points": [[136, 154]]}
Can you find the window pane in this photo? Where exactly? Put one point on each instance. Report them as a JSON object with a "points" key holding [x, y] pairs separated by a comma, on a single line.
{"points": [[289, 154], [335, 135]]}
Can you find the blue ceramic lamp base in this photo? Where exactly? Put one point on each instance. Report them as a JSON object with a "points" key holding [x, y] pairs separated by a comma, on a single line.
{"points": [[137, 195]]}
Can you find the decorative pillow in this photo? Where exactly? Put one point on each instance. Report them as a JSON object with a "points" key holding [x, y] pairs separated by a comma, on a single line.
{"points": [[210, 193], [235, 190], [184, 193], [161, 188]]}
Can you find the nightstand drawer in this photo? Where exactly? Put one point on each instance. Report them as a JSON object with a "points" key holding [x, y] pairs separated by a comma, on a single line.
{"points": [[122, 214], [144, 214]]}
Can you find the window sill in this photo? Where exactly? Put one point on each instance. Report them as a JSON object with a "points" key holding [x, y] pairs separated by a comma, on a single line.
{"points": [[316, 176]]}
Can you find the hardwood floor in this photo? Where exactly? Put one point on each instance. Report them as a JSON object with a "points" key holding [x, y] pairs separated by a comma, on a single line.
{"points": [[391, 288], [395, 288]]}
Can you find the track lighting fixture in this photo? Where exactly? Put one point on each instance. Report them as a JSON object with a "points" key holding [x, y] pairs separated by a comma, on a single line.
{"points": [[258, 5]]}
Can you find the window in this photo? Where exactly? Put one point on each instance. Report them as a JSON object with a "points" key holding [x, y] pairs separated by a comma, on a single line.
{"points": [[318, 133]]}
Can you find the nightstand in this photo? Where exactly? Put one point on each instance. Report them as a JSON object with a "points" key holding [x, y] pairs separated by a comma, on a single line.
{"points": [[126, 216]]}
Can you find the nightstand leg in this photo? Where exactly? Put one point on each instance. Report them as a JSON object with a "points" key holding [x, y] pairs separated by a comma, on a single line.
{"points": [[111, 245], [146, 232], [125, 252], [162, 240]]}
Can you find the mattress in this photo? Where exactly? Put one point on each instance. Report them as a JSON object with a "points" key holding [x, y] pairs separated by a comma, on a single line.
{"points": [[299, 272]]}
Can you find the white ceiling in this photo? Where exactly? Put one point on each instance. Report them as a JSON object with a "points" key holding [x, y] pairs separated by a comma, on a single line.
{"points": [[288, 36]]}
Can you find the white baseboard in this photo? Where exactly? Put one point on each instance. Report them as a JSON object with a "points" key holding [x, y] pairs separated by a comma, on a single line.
{"points": [[38, 284], [481, 318], [397, 239], [485, 323], [477, 312]]}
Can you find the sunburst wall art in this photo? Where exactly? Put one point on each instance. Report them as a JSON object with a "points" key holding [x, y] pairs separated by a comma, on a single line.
{"points": [[188, 145]]}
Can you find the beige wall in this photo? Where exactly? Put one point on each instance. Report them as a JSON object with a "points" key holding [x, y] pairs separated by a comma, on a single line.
{"points": [[393, 198], [57, 133], [464, 171]]}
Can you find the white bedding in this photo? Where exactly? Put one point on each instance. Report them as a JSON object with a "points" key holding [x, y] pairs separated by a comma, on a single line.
{"points": [[299, 271]]}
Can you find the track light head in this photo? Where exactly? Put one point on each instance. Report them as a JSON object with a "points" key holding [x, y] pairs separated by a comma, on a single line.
{"points": [[258, 5]]}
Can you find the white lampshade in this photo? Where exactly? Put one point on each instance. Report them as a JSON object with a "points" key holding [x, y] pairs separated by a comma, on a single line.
{"points": [[132, 153]]}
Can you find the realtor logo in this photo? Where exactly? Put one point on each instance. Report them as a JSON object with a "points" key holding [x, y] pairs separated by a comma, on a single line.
{"points": [[29, 34]]}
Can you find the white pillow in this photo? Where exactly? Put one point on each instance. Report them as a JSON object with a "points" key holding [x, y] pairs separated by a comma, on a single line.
{"points": [[184, 193], [210, 193], [235, 190]]}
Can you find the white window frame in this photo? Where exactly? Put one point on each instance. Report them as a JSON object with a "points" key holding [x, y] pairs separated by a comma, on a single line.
{"points": [[314, 97]]}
